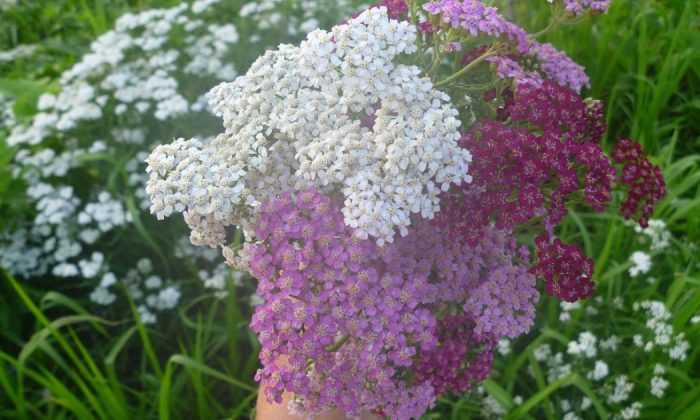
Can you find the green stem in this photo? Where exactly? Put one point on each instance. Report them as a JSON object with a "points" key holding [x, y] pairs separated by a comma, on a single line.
{"points": [[557, 20], [538, 34], [466, 69], [437, 57], [413, 5], [335, 346]]}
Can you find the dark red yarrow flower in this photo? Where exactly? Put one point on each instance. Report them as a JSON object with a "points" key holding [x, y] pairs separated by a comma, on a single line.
{"points": [[560, 109], [394, 9], [463, 359], [599, 176], [529, 168], [427, 27], [566, 270], [645, 180], [596, 119]]}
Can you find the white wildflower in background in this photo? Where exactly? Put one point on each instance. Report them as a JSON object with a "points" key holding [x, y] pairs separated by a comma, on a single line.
{"points": [[116, 73], [632, 411], [301, 16], [147, 317], [566, 309], [19, 52], [219, 278], [638, 340], [584, 347], [658, 386], [621, 391], [661, 330], [570, 416], [90, 268], [102, 296], [7, 113], [556, 368], [641, 263], [542, 352], [108, 280], [54, 205], [490, 407], [105, 213], [153, 282], [610, 344], [618, 303], [593, 356], [565, 405], [591, 310], [504, 347], [657, 233], [145, 266], [167, 298], [659, 369], [600, 371], [65, 270], [679, 351]]}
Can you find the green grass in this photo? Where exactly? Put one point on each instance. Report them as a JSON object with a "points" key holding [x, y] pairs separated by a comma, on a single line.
{"points": [[57, 360], [80, 365]]}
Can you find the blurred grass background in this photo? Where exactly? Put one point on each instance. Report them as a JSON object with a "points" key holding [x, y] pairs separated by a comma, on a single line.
{"points": [[643, 58]]}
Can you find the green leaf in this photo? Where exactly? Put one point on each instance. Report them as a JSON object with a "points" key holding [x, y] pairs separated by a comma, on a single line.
{"points": [[536, 399], [498, 393]]}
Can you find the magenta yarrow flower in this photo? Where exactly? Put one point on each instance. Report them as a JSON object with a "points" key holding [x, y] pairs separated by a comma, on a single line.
{"points": [[343, 311], [577, 7], [558, 67], [543, 62], [560, 110], [566, 270], [395, 8], [477, 19], [504, 304], [463, 359], [528, 171], [507, 68], [644, 180]]}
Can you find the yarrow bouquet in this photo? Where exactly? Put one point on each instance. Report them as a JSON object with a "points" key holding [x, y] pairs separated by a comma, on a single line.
{"points": [[397, 181]]}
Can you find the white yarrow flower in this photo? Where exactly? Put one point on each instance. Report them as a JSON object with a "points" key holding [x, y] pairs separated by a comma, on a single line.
{"points": [[334, 113]]}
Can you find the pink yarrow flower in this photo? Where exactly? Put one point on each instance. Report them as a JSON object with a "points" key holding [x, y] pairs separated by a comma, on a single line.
{"points": [[478, 19]]}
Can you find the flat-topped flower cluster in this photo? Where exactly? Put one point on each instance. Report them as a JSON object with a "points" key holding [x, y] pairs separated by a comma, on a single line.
{"points": [[391, 235], [295, 120]]}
